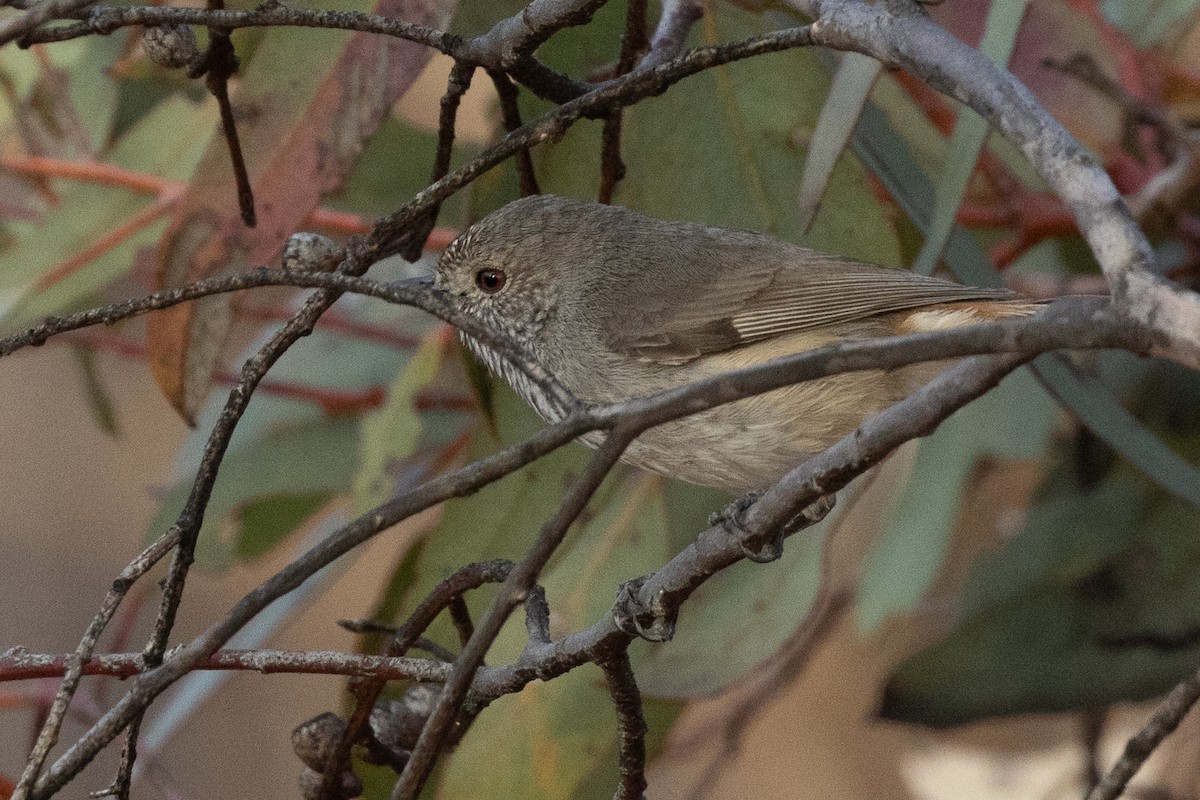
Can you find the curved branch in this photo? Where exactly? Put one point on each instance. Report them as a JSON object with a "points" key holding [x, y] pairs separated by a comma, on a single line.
{"points": [[104, 20], [910, 39], [1165, 720]]}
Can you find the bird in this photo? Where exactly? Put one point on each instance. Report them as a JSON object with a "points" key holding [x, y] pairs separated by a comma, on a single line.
{"points": [[618, 305]]}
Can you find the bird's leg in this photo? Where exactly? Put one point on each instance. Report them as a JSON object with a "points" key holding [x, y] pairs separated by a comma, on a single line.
{"points": [[652, 621], [733, 519]]}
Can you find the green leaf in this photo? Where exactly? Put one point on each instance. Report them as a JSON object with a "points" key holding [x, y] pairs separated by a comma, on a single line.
{"points": [[100, 402], [264, 523], [282, 471], [970, 133], [852, 83], [553, 741], [727, 127], [888, 589], [1148, 23], [390, 434], [1014, 420], [1093, 603], [1098, 408]]}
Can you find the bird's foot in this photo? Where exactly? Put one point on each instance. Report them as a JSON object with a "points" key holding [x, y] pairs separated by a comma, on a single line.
{"points": [[651, 621], [733, 520]]}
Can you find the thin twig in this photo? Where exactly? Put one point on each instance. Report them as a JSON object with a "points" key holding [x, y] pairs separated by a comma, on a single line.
{"points": [[1143, 744], [457, 84], [460, 615], [631, 725], [367, 690], [217, 65], [633, 44], [511, 594], [21, 25], [1092, 723], [104, 20], [510, 118], [74, 665], [18, 664]]}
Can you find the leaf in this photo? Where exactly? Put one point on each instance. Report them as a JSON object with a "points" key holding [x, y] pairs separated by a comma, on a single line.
{"points": [[1052, 28], [726, 127], [736, 619], [1093, 603], [552, 741], [852, 84], [623, 534], [390, 434], [167, 142], [1014, 420], [1094, 404], [1096, 407], [1148, 23], [264, 523], [285, 469], [970, 133], [62, 105], [301, 126]]}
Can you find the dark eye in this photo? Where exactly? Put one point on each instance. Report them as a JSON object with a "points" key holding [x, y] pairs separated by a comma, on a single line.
{"points": [[490, 280]]}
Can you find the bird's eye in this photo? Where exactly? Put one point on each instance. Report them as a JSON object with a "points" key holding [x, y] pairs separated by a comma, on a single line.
{"points": [[490, 280]]}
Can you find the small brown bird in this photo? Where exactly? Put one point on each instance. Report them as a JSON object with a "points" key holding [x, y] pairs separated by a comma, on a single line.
{"points": [[618, 305]]}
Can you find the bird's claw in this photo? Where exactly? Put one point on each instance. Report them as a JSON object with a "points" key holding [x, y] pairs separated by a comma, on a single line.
{"points": [[651, 621], [733, 520]]}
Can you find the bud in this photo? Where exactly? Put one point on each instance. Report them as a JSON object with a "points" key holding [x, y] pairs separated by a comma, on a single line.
{"points": [[171, 46]]}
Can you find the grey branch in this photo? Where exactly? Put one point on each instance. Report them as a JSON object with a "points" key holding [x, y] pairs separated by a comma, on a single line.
{"points": [[1166, 719], [16, 27], [910, 39], [676, 20]]}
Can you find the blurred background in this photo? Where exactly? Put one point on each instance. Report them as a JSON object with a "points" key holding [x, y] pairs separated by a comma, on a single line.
{"points": [[989, 615]]}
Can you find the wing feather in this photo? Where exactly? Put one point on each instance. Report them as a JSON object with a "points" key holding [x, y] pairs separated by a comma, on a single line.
{"points": [[729, 296]]}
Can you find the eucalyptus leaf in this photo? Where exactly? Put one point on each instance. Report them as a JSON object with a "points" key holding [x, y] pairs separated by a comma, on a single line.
{"points": [[390, 434], [285, 471], [166, 143], [1093, 603]]}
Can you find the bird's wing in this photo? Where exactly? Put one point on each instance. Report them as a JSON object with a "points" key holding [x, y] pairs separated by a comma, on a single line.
{"points": [[770, 293]]}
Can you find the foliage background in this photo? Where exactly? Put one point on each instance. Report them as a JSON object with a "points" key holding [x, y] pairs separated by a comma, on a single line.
{"points": [[1078, 548]]}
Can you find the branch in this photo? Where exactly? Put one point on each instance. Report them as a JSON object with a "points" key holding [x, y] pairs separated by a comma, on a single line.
{"points": [[512, 593], [510, 117], [48, 736], [104, 20], [457, 84], [17, 664], [514, 39], [910, 39], [1165, 720], [367, 691], [22, 24], [631, 725], [677, 18], [625, 90]]}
